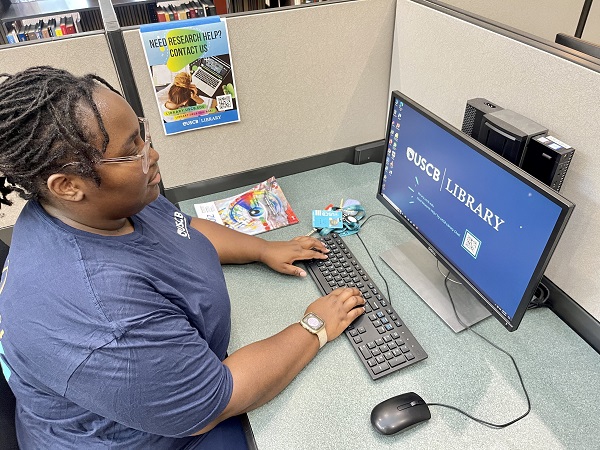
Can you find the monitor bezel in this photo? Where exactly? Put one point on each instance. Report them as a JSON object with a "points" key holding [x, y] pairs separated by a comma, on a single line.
{"points": [[565, 205]]}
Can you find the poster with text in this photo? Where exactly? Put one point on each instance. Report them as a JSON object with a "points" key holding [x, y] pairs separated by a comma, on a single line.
{"points": [[192, 73]]}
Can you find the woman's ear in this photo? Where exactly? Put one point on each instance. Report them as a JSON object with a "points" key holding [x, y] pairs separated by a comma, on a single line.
{"points": [[66, 187]]}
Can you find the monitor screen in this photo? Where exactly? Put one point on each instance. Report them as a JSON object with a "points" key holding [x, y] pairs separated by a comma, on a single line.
{"points": [[486, 220]]}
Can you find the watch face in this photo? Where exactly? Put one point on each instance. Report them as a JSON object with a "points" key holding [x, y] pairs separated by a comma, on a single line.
{"points": [[313, 321]]}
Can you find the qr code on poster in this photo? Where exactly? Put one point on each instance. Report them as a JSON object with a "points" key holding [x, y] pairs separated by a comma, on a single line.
{"points": [[224, 102], [471, 243]]}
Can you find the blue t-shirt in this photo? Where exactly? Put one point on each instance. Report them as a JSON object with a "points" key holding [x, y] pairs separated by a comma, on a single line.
{"points": [[116, 342]]}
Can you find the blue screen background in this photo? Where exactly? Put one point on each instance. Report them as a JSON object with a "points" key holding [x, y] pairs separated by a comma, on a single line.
{"points": [[503, 263]]}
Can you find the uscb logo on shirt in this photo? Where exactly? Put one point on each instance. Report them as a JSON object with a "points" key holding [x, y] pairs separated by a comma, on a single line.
{"points": [[181, 224]]}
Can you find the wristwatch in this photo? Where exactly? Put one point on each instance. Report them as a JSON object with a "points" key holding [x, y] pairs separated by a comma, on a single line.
{"points": [[315, 325]]}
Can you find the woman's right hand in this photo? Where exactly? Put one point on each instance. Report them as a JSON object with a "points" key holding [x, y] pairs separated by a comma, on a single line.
{"points": [[338, 309]]}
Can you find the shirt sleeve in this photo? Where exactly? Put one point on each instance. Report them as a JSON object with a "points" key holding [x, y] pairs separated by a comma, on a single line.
{"points": [[159, 377]]}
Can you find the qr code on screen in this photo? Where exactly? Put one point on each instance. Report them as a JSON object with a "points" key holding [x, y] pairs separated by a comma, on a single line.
{"points": [[224, 102], [471, 243]]}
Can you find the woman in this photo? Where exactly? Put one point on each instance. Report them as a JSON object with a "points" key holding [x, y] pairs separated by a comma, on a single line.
{"points": [[181, 93], [114, 312]]}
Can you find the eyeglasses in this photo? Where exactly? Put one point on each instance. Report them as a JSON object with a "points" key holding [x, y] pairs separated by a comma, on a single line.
{"points": [[145, 153]]}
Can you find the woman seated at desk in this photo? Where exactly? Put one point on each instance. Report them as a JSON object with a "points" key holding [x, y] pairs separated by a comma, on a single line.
{"points": [[115, 316]]}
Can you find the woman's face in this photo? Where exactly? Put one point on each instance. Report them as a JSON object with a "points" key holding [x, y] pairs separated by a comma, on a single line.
{"points": [[124, 189]]}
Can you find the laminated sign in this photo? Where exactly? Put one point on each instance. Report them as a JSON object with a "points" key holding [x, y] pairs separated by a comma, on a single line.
{"points": [[192, 73]]}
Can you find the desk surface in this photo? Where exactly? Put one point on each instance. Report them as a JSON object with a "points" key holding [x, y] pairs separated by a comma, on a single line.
{"points": [[329, 403]]}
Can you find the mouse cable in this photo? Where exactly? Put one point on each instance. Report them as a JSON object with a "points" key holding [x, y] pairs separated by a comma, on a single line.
{"points": [[481, 421], [541, 302]]}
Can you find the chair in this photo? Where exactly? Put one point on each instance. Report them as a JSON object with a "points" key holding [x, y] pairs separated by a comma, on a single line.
{"points": [[8, 434]]}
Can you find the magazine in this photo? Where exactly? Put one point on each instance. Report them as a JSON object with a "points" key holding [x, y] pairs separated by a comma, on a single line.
{"points": [[259, 209]]}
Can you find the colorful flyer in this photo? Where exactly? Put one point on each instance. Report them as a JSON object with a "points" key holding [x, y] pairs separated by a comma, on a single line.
{"points": [[192, 73], [259, 209]]}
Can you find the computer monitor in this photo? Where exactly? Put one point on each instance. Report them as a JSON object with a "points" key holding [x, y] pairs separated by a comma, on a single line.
{"points": [[487, 221], [578, 44]]}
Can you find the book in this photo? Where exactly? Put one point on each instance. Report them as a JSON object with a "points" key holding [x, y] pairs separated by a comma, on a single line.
{"points": [[221, 7], [30, 32], [209, 7], [160, 14], [257, 210], [63, 26], [69, 25], [45, 33], [21, 33]]}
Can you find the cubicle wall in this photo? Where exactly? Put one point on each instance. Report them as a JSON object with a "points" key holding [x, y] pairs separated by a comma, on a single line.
{"points": [[591, 32], [441, 61], [543, 18], [79, 55], [309, 80]]}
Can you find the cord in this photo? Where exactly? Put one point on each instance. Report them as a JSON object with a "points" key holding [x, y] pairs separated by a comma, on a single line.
{"points": [[387, 289], [539, 301], [481, 421]]}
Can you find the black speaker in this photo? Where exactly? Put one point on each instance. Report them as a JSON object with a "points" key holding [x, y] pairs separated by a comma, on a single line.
{"points": [[474, 111], [548, 159]]}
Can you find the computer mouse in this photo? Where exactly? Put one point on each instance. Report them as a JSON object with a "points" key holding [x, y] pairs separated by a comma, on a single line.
{"points": [[399, 413]]}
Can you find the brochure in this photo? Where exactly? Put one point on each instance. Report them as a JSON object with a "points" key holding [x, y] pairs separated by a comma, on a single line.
{"points": [[260, 209], [192, 73]]}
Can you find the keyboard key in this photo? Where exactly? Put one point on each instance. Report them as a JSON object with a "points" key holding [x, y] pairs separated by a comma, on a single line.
{"points": [[365, 352], [381, 368], [397, 361]]}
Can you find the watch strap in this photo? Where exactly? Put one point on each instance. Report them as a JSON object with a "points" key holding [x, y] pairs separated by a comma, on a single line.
{"points": [[321, 334]]}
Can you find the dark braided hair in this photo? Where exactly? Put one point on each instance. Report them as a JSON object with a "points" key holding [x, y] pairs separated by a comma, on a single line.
{"points": [[43, 127]]}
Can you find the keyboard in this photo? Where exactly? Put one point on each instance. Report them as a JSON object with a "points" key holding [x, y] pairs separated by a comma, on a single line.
{"points": [[381, 339]]}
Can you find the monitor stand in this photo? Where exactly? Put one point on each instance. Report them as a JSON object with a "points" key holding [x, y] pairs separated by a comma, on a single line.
{"points": [[418, 268]]}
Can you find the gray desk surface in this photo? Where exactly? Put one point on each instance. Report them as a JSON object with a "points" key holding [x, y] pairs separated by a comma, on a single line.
{"points": [[328, 405]]}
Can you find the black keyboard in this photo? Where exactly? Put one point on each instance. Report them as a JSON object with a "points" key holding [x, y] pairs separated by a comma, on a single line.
{"points": [[380, 338]]}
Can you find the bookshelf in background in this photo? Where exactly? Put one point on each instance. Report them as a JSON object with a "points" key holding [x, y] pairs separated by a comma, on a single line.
{"points": [[34, 20], [246, 5], [170, 10], [41, 19]]}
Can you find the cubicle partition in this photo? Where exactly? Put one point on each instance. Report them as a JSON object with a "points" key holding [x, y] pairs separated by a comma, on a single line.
{"points": [[441, 60], [591, 32], [80, 55], [309, 81], [543, 18], [315, 79]]}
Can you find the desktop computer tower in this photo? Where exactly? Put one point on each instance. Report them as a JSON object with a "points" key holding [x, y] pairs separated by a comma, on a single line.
{"points": [[548, 159], [474, 111], [508, 134], [518, 139]]}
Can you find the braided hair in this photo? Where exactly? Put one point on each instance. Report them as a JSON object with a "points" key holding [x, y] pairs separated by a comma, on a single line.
{"points": [[43, 126]]}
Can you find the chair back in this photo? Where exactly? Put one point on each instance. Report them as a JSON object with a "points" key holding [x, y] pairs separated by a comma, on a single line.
{"points": [[8, 434]]}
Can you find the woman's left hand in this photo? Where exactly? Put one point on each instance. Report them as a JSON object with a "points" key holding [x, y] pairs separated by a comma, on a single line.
{"points": [[280, 255]]}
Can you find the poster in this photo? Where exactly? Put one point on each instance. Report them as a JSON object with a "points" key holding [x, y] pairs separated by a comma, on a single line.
{"points": [[192, 73]]}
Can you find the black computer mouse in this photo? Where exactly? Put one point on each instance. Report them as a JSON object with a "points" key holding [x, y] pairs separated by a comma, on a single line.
{"points": [[399, 413]]}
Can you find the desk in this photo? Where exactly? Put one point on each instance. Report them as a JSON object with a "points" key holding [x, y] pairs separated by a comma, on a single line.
{"points": [[329, 403]]}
